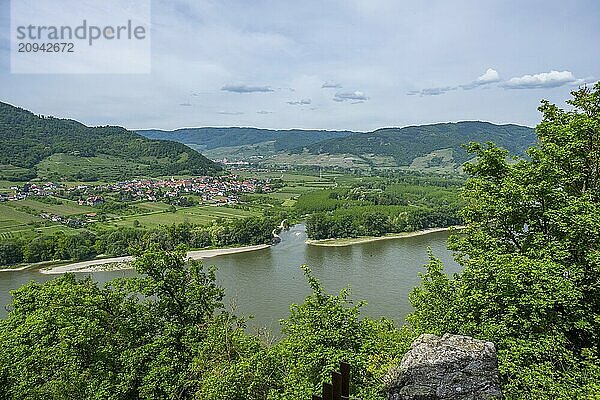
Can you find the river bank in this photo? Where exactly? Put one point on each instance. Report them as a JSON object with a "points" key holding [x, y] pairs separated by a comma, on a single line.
{"points": [[263, 283], [121, 263], [36, 265], [341, 242]]}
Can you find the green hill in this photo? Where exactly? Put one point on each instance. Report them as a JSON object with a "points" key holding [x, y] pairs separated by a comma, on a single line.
{"points": [[212, 138], [430, 145], [243, 143], [436, 147], [51, 148]]}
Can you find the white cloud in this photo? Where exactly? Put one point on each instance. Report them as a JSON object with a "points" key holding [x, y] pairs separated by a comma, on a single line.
{"points": [[550, 79], [543, 80], [434, 91], [329, 85], [246, 89], [356, 96], [490, 76], [230, 112], [303, 102]]}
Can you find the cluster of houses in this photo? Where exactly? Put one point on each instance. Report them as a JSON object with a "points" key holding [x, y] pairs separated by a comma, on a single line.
{"points": [[210, 189], [223, 189], [72, 222], [91, 201], [29, 189]]}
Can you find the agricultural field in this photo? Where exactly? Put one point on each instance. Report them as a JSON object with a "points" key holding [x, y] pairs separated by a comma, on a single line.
{"points": [[296, 184], [197, 214], [23, 217], [153, 206], [67, 208], [8, 171], [13, 220], [5, 186], [305, 158]]}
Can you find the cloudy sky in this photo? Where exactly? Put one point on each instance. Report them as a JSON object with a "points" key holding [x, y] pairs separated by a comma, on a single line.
{"points": [[331, 64]]}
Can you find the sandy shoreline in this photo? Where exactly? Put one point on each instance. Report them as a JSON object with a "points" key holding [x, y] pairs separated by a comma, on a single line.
{"points": [[15, 269], [32, 266], [366, 239], [121, 263]]}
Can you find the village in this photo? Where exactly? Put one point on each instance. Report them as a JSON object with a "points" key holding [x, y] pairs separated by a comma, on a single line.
{"points": [[208, 189]]}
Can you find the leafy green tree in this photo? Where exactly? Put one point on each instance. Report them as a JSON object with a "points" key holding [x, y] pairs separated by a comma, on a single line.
{"points": [[531, 257], [184, 298], [323, 331], [76, 247], [41, 248], [164, 334], [10, 253], [145, 337], [62, 340]]}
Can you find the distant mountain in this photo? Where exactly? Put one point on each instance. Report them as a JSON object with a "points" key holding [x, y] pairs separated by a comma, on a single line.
{"points": [[51, 148], [406, 144], [212, 138], [435, 147]]}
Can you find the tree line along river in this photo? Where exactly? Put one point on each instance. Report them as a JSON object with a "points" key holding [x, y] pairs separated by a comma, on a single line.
{"points": [[264, 283]]}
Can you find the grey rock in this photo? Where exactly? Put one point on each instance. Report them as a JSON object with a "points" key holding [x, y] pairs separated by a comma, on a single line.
{"points": [[451, 367]]}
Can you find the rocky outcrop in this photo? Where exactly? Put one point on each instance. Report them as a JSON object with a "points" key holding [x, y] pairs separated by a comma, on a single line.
{"points": [[451, 367]]}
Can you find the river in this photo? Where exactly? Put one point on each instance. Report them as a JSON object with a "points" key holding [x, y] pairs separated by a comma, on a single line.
{"points": [[264, 283]]}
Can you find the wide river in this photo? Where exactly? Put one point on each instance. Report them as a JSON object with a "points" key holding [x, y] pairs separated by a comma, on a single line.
{"points": [[264, 283]]}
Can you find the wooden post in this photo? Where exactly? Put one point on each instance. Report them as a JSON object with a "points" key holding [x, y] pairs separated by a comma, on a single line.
{"points": [[336, 382], [339, 388], [327, 391], [345, 372]]}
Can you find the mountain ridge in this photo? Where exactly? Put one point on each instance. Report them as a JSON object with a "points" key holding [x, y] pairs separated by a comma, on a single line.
{"points": [[215, 137], [430, 146], [46, 147]]}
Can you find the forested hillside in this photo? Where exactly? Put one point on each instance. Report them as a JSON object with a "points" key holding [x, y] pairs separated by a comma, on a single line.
{"points": [[406, 144], [211, 138], [51, 148], [430, 148]]}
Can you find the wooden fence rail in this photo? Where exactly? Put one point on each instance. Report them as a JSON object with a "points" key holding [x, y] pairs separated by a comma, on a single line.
{"points": [[339, 388]]}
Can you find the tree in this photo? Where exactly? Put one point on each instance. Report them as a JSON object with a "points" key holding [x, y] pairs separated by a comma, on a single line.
{"points": [[531, 257], [10, 253], [164, 334], [324, 330], [41, 248], [135, 338], [60, 340]]}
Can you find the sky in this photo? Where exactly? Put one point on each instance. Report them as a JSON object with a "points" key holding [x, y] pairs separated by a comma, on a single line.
{"points": [[330, 64]]}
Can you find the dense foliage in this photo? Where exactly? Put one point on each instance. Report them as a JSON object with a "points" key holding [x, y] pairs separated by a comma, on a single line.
{"points": [[531, 257], [211, 138], [405, 144], [378, 207], [85, 245], [402, 144], [26, 139], [165, 335]]}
